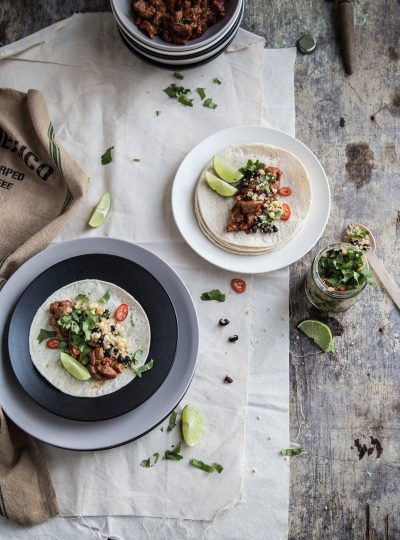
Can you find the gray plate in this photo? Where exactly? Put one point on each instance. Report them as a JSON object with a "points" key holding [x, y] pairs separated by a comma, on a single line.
{"points": [[74, 435]]}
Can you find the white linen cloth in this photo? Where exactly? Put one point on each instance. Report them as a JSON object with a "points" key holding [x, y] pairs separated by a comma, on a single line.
{"points": [[98, 96]]}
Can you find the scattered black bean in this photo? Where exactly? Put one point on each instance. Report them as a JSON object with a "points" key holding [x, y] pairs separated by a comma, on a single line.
{"points": [[228, 379], [253, 228], [107, 353], [233, 338], [223, 322], [274, 228], [120, 358], [127, 361], [115, 351], [100, 341], [96, 329], [112, 328], [106, 314]]}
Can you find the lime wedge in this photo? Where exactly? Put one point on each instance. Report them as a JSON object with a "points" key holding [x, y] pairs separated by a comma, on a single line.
{"points": [[218, 185], [319, 332], [74, 368], [225, 171], [101, 211], [192, 425]]}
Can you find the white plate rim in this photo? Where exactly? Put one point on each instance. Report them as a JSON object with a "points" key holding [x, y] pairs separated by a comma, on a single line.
{"points": [[186, 178], [125, 22], [76, 435]]}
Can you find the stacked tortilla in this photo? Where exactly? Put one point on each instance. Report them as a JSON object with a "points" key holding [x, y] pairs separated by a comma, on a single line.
{"points": [[212, 210]]}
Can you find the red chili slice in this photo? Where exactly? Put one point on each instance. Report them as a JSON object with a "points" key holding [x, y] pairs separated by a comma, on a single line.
{"points": [[285, 191], [121, 312], [75, 352], [238, 285], [53, 343], [286, 212]]}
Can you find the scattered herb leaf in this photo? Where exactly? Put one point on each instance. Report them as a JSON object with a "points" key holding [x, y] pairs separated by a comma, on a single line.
{"points": [[185, 101], [215, 294], [253, 167], [344, 269], [106, 297], [107, 156], [216, 81], [209, 103], [206, 468], [173, 91], [150, 462], [178, 75], [82, 298], [172, 421], [45, 334], [201, 92], [138, 355], [136, 159], [158, 113], [132, 320], [292, 451], [174, 454], [142, 369]]}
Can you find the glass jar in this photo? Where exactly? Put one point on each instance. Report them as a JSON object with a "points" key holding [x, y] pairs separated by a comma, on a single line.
{"points": [[324, 297]]}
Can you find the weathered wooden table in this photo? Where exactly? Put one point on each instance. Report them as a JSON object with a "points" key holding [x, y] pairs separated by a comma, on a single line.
{"points": [[351, 124]]}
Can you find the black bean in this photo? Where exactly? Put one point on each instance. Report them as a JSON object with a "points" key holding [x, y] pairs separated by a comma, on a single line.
{"points": [[106, 314], [253, 228], [274, 228], [228, 379], [107, 353], [115, 351], [96, 329], [223, 322], [233, 338], [100, 341], [112, 328]]}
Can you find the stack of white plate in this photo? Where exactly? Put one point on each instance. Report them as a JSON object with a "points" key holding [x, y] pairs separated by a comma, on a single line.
{"points": [[169, 55]]}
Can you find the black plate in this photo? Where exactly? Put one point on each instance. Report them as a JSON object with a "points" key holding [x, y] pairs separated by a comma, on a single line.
{"points": [[136, 281]]}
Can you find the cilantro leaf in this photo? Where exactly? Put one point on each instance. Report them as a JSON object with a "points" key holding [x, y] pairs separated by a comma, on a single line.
{"points": [[158, 113], [107, 156], [209, 103], [142, 369], [215, 467], [82, 298], [178, 75], [136, 159], [292, 451], [45, 334], [172, 421], [149, 462], [201, 92], [106, 297], [174, 454], [216, 81], [215, 294], [185, 101]]}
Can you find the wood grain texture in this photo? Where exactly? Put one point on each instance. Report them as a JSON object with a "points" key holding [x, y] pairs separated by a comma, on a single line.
{"points": [[351, 123]]}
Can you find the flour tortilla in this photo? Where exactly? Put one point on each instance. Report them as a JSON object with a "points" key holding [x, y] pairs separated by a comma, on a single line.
{"points": [[212, 211], [47, 361]]}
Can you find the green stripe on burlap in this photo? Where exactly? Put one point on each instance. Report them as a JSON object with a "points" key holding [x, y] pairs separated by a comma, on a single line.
{"points": [[56, 155], [3, 511]]}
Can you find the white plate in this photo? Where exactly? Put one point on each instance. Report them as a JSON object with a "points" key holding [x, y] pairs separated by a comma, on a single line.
{"points": [[74, 435], [123, 13], [183, 201]]}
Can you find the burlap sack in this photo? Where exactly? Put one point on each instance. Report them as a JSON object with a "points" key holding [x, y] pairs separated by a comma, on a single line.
{"points": [[40, 186]]}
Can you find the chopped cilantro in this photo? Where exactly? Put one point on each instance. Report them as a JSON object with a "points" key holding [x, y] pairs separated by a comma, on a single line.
{"points": [[136, 159], [344, 269], [178, 75], [173, 91], [206, 468], [201, 92], [185, 101], [172, 421], [292, 451], [45, 334], [107, 156], [253, 167], [174, 454], [150, 462], [142, 369], [106, 297], [132, 320], [216, 81], [215, 294], [209, 103], [82, 298], [158, 113]]}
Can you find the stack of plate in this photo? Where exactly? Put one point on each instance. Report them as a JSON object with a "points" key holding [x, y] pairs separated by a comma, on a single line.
{"points": [[168, 55]]}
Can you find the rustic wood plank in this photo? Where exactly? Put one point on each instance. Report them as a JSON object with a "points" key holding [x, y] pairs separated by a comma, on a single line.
{"points": [[351, 123]]}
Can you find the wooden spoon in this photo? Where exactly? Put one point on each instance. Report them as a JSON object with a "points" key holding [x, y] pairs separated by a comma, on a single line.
{"points": [[377, 266]]}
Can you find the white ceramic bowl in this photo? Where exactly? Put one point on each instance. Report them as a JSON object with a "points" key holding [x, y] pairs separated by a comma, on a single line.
{"points": [[123, 14]]}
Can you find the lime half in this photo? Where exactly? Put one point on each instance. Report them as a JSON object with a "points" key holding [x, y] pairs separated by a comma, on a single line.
{"points": [[218, 185], [74, 368], [319, 332], [225, 171], [101, 211], [192, 425]]}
